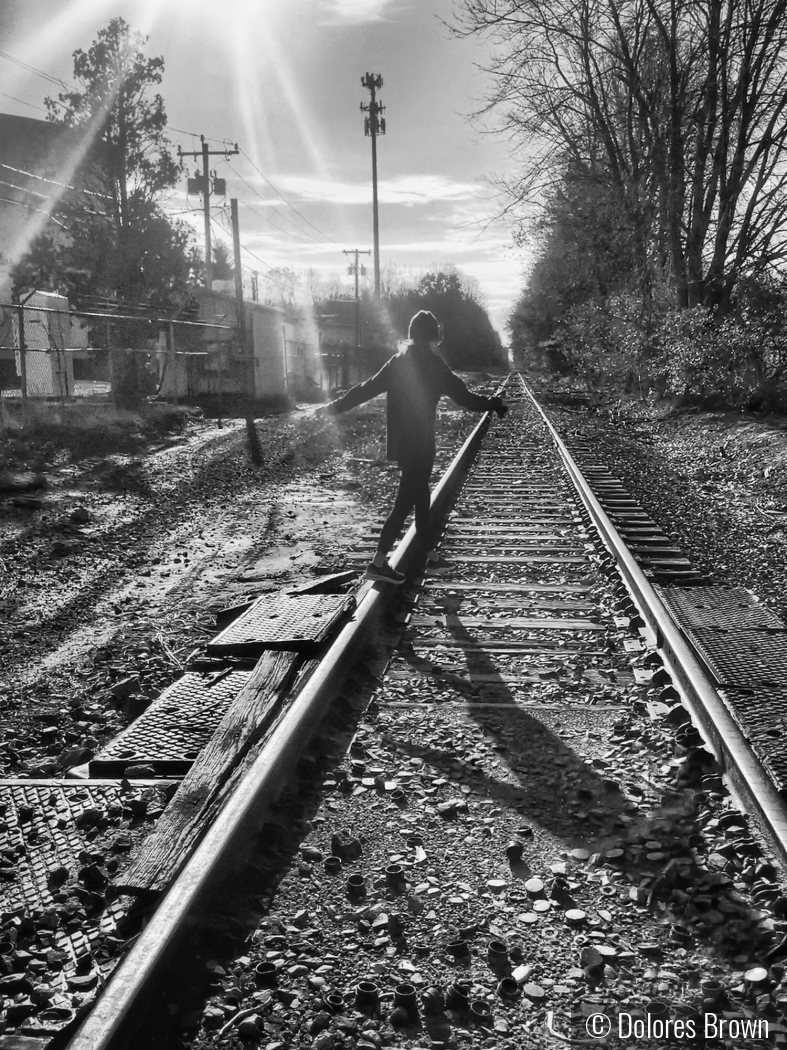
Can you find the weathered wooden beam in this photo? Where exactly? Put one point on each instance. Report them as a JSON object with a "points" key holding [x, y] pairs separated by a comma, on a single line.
{"points": [[204, 789]]}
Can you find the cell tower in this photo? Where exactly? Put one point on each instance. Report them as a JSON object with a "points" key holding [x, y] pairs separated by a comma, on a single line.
{"points": [[374, 125]]}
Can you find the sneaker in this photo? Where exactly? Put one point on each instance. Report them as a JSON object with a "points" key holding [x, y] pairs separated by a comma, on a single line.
{"points": [[384, 574]]}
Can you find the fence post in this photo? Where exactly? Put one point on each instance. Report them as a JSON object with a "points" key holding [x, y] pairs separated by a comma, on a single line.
{"points": [[23, 358], [173, 361], [111, 362]]}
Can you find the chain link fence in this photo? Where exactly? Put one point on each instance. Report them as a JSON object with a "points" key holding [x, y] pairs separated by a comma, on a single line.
{"points": [[52, 352]]}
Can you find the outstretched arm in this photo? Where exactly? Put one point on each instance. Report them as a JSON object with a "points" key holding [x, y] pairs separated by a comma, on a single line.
{"points": [[454, 388], [358, 394]]}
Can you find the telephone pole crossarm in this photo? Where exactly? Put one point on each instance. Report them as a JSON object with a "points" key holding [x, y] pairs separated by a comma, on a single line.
{"points": [[204, 189], [355, 269]]}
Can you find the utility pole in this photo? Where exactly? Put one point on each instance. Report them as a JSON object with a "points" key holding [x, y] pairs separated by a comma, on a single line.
{"points": [[354, 268], [201, 184], [374, 125], [23, 353], [238, 273]]}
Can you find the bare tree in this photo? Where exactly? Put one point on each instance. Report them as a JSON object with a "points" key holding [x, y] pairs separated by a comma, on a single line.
{"points": [[681, 101]]}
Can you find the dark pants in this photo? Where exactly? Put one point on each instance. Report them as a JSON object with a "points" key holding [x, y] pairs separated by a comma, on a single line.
{"points": [[413, 492]]}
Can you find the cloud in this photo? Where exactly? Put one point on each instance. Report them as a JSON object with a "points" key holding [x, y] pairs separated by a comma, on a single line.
{"points": [[355, 12], [407, 189]]}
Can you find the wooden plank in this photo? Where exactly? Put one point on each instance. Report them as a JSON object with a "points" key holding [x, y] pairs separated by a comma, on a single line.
{"points": [[506, 559], [202, 790], [334, 583], [507, 588], [534, 623], [532, 604], [512, 648], [470, 543], [514, 520]]}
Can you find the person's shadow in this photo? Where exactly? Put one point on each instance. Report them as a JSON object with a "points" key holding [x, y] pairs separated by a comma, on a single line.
{"points": [[551, 783], [555, 789]]}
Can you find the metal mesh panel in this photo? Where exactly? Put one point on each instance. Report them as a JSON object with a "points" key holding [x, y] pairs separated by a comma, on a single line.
{"points": [[277, 621], [51, 819], [761, 714], [728, 608], [742, 658], [175, 728]]}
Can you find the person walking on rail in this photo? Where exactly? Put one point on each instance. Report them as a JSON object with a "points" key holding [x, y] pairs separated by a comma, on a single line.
{"points": [[414, 379]]}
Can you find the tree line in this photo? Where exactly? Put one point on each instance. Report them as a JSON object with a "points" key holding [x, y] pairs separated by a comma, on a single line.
{"points": [[655, 131]]}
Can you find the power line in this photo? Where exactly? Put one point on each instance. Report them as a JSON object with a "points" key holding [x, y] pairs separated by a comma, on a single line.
{"points": [[24, 189], [288, 203], [275, 225], [30, 207], [53, 182], [248, 250], [33, 69], [180, 211], [257, 193], [180, 131], [22, 101]]}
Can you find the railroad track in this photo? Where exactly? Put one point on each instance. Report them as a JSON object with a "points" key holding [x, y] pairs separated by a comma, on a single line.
{"points": [[516, 823]]}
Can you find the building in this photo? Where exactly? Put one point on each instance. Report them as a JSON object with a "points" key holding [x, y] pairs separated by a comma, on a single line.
{"points": [[204, 357]]}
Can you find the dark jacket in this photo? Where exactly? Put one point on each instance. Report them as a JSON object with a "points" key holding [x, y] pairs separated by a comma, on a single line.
{"points": [[414, 380]]}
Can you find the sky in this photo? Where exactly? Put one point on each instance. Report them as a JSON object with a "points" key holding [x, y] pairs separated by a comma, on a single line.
{"points": [[282, 79]]}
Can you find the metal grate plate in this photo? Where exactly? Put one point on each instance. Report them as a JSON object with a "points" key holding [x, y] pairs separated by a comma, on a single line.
{"points": [[280, 621], [49, 819], [727, 608], [761, 714], [742, 658], [175, 728], [47, 827]]}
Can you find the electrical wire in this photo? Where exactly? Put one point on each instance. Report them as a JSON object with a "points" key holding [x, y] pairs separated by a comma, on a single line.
{"points": [[180, 211], [280, 194], [254, 190], [54, 182], [22, 101], [276, 225], [25, 189], [180, 131], [247, 250], [33, 69], [267, 218], [30, 207]]}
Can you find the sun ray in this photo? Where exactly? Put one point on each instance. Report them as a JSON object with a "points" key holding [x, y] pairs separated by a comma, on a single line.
{"points": [[83, 138]]}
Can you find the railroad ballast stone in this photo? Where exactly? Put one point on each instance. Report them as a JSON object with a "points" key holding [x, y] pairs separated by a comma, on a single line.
{"points": [[656, 863]]}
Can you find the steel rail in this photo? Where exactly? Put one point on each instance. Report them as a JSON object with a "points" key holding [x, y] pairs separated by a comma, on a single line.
{"points": [[745, 776], [118, 1013]]}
